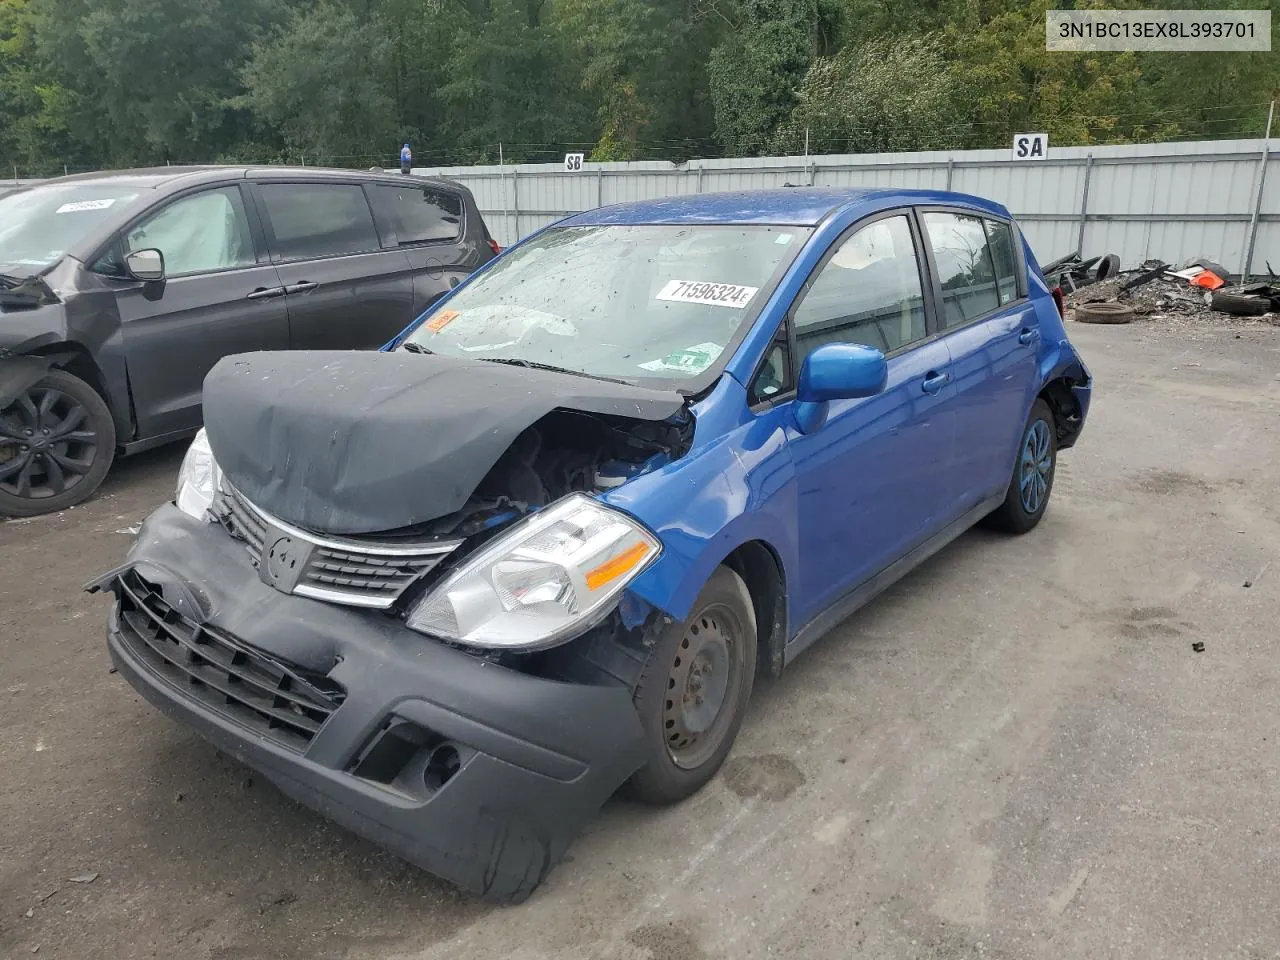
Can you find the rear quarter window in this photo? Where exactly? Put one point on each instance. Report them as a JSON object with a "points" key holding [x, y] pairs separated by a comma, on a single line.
{"points": [[418, 214]]}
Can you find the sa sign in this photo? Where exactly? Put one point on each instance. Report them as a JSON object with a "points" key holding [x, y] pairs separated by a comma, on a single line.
{"points": [[1030, 146], [573, 162]]}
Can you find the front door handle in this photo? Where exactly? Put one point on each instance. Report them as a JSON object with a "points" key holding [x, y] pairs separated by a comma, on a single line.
{"points": [[266, 293], [934, 381], [301, 287], [1028, 336]]}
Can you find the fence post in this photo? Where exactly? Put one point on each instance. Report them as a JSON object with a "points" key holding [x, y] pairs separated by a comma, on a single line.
{"points": [[951, 166], [515, 200], [600, 187], [1257, 201], [699, 178], [1084, 204]]}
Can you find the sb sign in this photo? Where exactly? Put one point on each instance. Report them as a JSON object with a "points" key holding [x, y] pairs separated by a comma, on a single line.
{"points": [[1030, 146], [573, 162]]}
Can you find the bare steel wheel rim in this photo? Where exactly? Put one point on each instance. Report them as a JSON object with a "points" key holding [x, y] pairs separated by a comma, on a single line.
{"points": [[46, 444], [703, 682]]}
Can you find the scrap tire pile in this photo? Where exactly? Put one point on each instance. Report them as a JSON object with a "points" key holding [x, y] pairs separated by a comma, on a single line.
{"points": [[1104, 313]]}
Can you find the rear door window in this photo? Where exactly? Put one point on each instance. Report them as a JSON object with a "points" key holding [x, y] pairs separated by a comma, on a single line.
{"points": [[313, 220], [419, 214], [1000, 238], [965, 267]]}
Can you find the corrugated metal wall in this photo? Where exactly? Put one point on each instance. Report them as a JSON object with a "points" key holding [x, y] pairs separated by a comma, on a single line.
{"points": [[1170, 201]]}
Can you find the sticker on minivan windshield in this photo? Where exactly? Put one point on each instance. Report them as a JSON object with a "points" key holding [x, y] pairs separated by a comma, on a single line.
{"points": [[690, 361], [714, 294], [442, 320], [77, 206]]}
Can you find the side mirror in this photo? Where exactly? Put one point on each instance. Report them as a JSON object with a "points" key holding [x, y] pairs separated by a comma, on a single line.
{"points": [[145, 265], [841, 371]]}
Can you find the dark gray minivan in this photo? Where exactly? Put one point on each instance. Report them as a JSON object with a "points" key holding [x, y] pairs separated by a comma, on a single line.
{"points": [[119, 292]]}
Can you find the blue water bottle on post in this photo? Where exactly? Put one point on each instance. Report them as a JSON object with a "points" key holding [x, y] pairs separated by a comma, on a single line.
{"points": [[406, 159]]}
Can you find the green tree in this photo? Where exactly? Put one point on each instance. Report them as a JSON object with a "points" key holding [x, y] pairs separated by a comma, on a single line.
{"points": [[756, 70], [510, 82], [856, 101], [324, 83], [148, 80]]}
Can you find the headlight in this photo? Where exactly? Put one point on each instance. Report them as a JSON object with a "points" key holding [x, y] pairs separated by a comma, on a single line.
{"points": [[199, 479], [551, 576]]}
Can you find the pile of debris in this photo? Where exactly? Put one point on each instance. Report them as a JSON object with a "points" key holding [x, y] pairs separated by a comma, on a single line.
{"points": [[1097, 291]]}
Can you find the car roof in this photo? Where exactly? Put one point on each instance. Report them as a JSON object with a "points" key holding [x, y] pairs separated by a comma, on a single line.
{"points": [[170, 178], [789, 206]]}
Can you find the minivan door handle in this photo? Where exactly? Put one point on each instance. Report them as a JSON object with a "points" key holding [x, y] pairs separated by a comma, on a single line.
{"points": [[266, 293], [301, 287], [1028, 336], [934, 382]]}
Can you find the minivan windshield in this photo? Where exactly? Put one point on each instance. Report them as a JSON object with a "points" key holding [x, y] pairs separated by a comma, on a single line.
{"points": [[38, 225], [634, 303]]}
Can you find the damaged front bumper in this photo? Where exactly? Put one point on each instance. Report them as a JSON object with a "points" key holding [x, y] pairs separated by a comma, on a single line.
{"points": [[472, 771]]}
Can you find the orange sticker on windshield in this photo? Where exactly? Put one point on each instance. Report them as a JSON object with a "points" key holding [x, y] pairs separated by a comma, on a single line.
{"points": [[441, 320]]}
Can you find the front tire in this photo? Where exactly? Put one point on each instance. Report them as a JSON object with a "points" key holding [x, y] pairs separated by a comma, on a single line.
{"points": [[693, 693], [1033, 471], [57, 441]]}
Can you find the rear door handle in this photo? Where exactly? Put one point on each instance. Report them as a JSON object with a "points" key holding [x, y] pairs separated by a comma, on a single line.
{"points": [[266, 293], [1028, 336], [301, 287], [934, 381]]}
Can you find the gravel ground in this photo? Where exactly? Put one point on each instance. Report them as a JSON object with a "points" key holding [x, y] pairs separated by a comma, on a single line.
{"points": [[1015, 753]]}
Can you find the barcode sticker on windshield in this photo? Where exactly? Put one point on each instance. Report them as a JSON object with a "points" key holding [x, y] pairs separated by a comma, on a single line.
{"points": [[715, 294], [79, 205]]}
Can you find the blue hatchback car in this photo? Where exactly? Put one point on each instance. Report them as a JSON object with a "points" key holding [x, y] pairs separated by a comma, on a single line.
{"points": [[456, 593]]}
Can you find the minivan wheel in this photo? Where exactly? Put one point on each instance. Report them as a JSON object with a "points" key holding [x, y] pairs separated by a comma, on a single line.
{"points": [[57, 441], [1033, 471], [694, 691]]}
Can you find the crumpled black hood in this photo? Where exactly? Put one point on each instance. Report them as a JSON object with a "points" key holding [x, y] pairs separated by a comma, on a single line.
{"points": [[349, 442]]}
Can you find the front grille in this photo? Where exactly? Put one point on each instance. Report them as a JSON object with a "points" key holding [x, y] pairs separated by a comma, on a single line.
{"points": [[229, 677], [355, 572]]}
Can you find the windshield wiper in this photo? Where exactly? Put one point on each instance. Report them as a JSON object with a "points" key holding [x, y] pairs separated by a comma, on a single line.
{"points": [[534, 365], [413, 347]]}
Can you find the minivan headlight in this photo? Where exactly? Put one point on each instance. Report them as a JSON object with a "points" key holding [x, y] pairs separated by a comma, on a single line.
{"points": [[550, 577], [199, 478]]}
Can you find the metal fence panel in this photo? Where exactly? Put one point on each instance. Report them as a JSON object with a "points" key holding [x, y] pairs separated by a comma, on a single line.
{"points": [[1171, 201]]}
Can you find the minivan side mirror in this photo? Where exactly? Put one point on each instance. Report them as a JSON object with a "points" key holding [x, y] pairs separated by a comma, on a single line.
{"points": [[145, 265], [841, 371]]}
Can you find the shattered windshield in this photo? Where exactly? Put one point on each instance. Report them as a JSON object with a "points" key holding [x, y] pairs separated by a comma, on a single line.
{"points": [[38, 225], [623, 302]]}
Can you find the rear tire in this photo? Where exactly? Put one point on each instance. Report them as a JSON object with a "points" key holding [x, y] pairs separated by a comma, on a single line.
{"points": [[1033, 472], [57, 441], [693, 692]]}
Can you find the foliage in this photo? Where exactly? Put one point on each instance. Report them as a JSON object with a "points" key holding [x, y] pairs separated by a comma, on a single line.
{"points": [[96, 83]]}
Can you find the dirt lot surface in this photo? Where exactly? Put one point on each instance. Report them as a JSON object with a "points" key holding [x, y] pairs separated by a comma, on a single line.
{"points": [[1015, 753]]}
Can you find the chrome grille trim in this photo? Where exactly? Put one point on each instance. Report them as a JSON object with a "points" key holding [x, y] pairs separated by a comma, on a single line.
{"points": [[341, 570]]}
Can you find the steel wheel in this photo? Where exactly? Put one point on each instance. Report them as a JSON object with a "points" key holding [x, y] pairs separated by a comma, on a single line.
{"points": [[704, 676], [1035, 466]]}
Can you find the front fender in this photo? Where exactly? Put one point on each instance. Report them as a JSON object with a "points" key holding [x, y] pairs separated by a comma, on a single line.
{"points": [[18, 373], [732, 489]]}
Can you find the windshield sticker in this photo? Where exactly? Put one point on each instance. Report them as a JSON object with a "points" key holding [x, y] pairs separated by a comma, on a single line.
{"points": [[691, 361], [714, 294], [77, 206], [442, 320], [783, 239]]}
